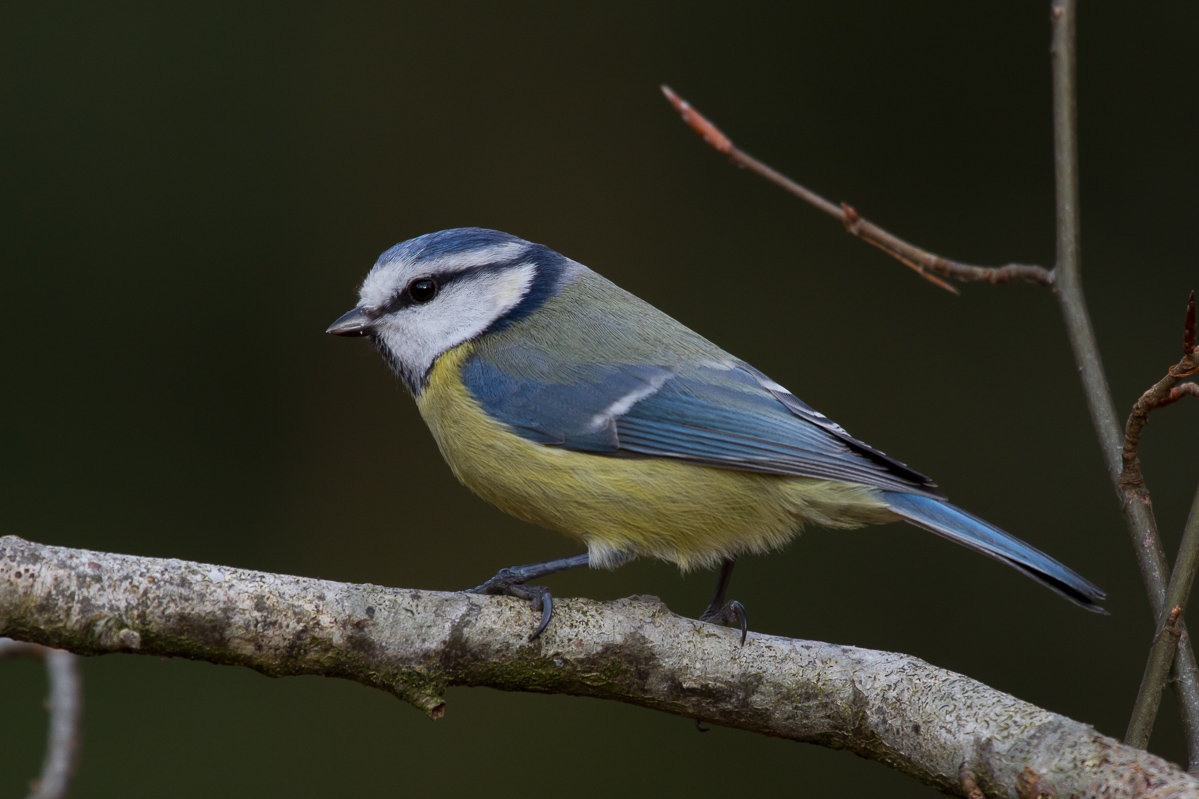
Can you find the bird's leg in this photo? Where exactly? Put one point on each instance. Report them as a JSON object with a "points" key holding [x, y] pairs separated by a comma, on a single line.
{"points": [[732, 613], [511, 582]]}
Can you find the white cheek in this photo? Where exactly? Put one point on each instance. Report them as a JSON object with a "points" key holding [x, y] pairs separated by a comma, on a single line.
{"points": [[418, 335]]}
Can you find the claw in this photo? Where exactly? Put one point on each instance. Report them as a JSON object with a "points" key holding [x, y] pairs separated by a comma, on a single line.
{"points": [[542, 600], [738, 610], [547, 610], [730, 614]]}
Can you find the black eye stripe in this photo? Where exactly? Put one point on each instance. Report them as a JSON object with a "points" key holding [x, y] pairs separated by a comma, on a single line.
{"points": [[404, 297], [418, 292]]}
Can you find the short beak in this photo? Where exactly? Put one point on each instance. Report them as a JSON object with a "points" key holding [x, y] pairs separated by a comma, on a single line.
{"points": [[357, 322]]}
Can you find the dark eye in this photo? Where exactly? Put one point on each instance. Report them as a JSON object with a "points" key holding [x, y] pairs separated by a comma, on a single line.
{"points": [[422, 290]]}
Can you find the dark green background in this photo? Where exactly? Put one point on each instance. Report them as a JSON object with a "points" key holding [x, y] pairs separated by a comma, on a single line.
{"points": [[191, 194]]}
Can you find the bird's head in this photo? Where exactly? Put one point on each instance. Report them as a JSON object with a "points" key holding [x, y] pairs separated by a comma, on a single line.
{"points": [[434, 292]]}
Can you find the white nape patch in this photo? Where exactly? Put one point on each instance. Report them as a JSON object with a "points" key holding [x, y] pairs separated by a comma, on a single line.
{"points": [[417, 335], [622, 405], [720, 366]]}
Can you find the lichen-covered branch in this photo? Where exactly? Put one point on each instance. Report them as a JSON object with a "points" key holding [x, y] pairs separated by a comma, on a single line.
{"points": [[931, 724]]}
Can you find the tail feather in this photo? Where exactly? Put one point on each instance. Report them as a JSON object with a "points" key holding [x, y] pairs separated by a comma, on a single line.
{"points": [[970, 531]]}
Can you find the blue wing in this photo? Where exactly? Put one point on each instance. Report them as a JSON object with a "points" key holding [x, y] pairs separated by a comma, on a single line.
{"points": [[723, 414]]}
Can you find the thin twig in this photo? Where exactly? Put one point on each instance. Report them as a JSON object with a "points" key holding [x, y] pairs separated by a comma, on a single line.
{"points": [[1161, 656], [1166, 643], [1138, 516], [925, 263], [1153, 682], [66, 709]]}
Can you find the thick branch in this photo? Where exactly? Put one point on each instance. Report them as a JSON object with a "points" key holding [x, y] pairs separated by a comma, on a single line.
{"points": [[929, 723]]}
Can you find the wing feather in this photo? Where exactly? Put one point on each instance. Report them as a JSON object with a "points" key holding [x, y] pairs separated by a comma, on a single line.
{"points": [[726, 415]]}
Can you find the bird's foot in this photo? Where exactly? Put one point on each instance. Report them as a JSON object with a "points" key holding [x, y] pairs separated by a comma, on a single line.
{"points": [[730, 614], [510, 582]]}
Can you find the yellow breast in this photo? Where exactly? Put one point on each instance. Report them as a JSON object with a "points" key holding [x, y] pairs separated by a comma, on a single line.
{"points": [[680, 512]]}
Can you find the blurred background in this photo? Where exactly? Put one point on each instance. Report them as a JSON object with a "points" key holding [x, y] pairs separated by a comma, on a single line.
{"points": [[192, 193]]}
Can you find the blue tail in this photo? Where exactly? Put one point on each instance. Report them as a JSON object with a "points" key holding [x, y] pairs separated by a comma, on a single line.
{"points": [[970, 531]]}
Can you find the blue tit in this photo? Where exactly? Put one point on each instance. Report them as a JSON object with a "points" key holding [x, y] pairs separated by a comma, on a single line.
{"points": [[568, 402]]}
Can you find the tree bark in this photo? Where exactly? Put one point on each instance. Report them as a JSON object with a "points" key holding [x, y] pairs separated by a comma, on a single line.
{"points": [[941, 728]]}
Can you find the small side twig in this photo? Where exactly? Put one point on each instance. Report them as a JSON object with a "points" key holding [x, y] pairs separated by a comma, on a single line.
{"points": [[1165, 392], [924, 263], [1031, 785], [66, 709], [969, 783]]}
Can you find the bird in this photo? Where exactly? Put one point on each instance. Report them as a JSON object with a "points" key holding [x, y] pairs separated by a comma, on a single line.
{"points": [[569, 402]]}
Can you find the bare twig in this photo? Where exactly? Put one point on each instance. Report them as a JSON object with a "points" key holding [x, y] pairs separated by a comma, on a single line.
{"points": [[1138, 515], [1188, 328], [896, 709], [1132, 482], [1153, 682], [66, 709], [926, 264]]}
